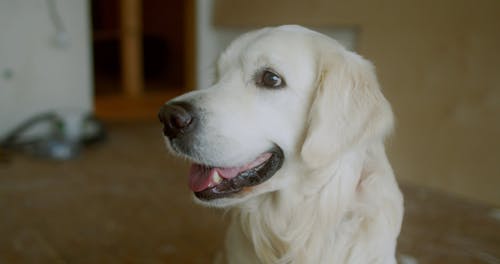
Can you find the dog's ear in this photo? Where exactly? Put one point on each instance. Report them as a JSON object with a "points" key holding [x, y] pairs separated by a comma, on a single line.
{"points": [[348, 109]]}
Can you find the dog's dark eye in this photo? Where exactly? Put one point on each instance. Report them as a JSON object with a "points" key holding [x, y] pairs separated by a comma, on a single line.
{"points": [[270, 79]]}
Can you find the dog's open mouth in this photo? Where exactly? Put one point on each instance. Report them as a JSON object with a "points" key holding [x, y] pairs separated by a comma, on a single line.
{"points": [[209, 182]]}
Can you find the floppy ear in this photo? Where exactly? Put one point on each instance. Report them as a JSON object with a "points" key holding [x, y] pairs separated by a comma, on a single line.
{"points": [[348, 109]]}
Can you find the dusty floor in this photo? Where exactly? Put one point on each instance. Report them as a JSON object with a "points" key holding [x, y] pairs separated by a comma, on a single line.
{"points": [[126, 201]]}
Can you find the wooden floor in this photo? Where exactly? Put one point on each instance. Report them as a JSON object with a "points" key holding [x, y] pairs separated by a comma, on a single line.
{"points": [[126, 201]]}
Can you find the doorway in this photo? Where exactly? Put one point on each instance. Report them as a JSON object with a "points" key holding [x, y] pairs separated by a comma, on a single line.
{"points": [[143, 53]]}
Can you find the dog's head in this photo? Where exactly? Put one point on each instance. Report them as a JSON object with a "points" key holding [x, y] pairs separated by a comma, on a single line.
{"points": [[285, 100]]}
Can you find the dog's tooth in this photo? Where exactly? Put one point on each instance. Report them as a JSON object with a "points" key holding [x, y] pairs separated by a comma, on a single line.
{"points": [[216, 177]]}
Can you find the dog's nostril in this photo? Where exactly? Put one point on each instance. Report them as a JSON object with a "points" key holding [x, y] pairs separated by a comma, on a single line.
{"points": [[160, 116], [180, 120], [176, 118]]}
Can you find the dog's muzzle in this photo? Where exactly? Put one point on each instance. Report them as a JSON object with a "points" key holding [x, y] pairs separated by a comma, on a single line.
{"points": [[208, 181]]}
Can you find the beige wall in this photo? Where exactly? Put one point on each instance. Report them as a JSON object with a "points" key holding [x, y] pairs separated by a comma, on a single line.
{"points": [[439, 65]]}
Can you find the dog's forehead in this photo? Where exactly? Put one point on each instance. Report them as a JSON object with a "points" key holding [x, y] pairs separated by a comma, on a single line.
{"points": [[282, 43]]}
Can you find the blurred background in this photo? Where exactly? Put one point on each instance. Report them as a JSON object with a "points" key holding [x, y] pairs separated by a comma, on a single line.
{"points": [[85, 177]]}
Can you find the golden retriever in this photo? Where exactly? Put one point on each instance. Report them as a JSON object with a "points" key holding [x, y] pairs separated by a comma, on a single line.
{"points": [[290, 138]]}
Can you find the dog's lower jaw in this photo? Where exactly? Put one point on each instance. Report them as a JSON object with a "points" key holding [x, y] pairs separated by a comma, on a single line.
{"points": [[302, 230], [221, 203]]}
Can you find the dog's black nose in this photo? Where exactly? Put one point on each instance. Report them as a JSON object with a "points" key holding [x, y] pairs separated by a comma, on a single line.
{"points": [[176, 118]]}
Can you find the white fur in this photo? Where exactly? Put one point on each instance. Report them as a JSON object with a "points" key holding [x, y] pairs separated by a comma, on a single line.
{"points": [[335, 200]]}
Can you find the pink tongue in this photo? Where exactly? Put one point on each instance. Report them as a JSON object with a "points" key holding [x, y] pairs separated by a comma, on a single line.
{"points": [[201, 177]]}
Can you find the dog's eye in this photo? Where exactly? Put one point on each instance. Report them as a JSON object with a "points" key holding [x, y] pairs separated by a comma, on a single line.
{"points": [[270, 79]]}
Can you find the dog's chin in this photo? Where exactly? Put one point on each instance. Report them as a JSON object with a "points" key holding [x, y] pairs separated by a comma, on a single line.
{"points": [[224, 202], [228, 186]]}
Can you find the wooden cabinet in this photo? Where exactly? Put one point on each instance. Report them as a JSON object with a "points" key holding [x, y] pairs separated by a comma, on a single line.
{"points": [[143, 55]]}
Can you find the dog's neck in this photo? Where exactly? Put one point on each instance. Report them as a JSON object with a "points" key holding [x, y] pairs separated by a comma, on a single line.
{"points": [[291, 226]]}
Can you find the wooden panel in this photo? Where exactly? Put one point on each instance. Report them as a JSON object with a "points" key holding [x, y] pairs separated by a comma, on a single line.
{"points": [[259, 13], [131, 49]]}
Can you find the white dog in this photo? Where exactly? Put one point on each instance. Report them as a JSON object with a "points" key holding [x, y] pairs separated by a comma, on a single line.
{"points": [[290, 138]]}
